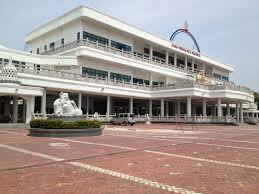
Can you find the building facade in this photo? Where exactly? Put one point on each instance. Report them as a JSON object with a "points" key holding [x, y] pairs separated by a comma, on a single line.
{"points": [[109, 67]]}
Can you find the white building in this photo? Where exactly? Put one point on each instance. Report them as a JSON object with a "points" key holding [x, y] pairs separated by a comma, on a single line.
{"points": [[108, 66]]}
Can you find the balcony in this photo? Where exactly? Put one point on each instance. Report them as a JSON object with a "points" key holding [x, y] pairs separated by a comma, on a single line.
{"points": [[34, 70], [133, 55]]}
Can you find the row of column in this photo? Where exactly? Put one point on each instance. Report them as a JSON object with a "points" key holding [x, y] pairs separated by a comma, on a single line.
{"points": [[239, 106], [175, 59]]}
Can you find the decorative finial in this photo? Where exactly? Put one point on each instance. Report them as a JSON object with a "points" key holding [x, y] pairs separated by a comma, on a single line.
{"points": [[186, 25]]}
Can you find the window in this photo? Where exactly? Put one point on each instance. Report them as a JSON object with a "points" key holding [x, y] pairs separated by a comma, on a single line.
{"points": [[155, 53], [52, 46], [94, 72], [78, 36], [156, 83], [120, 77], [95, 38], [137, 80], [218, 76], [38, 51], [62, 42], [121, 46], [45, 48], [224, 78]]}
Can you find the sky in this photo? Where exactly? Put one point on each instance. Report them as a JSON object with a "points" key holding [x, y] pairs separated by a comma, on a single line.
{"points": [[225, 30]]}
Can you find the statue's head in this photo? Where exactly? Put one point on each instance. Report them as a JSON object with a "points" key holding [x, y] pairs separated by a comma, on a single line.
{"points": [[64, 96]]}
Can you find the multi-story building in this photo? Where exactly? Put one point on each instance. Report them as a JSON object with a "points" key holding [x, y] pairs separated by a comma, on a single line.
{"points": [[108, 66]]}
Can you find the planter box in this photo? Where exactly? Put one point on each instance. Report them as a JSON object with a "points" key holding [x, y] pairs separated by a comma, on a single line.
{"points": [[37, 132]]}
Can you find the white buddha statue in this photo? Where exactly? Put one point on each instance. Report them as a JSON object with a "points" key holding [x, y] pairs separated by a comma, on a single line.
{"points": [[63, 106]]}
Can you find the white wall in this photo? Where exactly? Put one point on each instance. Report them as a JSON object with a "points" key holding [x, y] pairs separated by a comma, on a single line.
{"points": [[68, 32], [105, 66]]}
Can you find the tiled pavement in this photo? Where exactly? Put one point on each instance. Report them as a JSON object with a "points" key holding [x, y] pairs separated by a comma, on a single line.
{"points": [[141, 159]]}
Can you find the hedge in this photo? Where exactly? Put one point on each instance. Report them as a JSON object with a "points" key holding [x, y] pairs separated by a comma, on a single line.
{"points": [[59, 124]]}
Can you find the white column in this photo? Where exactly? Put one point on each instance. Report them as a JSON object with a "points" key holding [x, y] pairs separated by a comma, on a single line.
{"points": [[150, 52], [162, 107], [219, 108], [131, 105], [192, 65], [15, 109], [228, 109], [87, 105], [43, 102], [237, 112], [150, 79], [30, 102], [178, 107], [80, 100], [108, 109], [189, 106], [185, 63], [175, 59], [166, 57], [241, 113], [150, 107], [204, 107]]}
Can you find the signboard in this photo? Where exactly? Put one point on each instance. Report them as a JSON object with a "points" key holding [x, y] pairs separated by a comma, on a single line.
{"points": [[186, 50]]}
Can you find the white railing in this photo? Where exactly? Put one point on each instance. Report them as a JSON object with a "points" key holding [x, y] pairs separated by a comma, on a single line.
{"points": [[95, 79], [167, 118], [134, 55]]}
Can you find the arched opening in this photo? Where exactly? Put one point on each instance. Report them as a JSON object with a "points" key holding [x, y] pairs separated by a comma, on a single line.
{"points": [[12, 109]]}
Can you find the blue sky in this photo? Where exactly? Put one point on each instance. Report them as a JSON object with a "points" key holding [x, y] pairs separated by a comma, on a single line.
{"points": [[225, 30]]}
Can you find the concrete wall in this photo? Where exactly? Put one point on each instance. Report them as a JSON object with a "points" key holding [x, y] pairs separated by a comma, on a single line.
{"points": [[68, 32]]}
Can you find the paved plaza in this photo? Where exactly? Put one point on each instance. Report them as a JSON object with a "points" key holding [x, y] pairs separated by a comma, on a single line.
{"points": [[157, 158]]}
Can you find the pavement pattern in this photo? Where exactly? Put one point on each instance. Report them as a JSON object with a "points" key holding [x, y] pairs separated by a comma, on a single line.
{"points": [[157, 158]]}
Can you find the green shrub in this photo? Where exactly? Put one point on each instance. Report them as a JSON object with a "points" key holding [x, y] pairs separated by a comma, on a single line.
{"points": [[59, 124]]}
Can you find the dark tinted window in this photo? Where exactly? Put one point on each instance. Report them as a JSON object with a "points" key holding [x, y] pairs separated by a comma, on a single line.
{"points": [[121, 46], [94, 72], [95, 38], [120, 77]]}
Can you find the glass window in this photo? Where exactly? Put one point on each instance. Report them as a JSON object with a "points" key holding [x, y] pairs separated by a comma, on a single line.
{"points": [[95, 38], [224, 78], [155, 53], [137, 80], [121, 46], [120, 77], [94, 72], [218, 76], [78, 36], [140, 81]]}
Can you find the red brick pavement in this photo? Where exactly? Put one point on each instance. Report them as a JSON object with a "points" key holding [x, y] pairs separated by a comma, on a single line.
{"points": [[124, 151]]}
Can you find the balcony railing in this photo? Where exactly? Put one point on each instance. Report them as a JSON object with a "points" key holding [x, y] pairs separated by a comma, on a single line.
{"points": [[133, 55], [157, 119], [34, 70]]}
